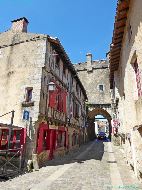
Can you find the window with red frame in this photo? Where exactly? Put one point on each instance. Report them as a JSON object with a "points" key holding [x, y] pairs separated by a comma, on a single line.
{"points": [[61, 101], [57, 100], [138, 78]]}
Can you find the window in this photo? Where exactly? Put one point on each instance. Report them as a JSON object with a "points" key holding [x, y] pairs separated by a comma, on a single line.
{"points": [[77, 89], [44, 80], [138, 78], [101, 87], [74, 139], [58, 98], [64, 70], [80, 92], [29, 94], [57, 63], [129, 29], [61, 139], [75, 110]]}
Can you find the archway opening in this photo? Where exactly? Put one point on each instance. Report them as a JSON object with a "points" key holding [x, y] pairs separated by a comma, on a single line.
{"points": [[99, 120]]}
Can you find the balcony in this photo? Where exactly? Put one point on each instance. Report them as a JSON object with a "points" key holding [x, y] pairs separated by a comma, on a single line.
{"points": [[27, 104]]}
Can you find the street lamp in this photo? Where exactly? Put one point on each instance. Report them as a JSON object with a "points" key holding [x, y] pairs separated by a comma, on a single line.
{"points": [[51, 86]]}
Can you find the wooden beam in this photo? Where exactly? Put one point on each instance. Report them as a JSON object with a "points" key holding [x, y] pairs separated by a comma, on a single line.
{"points": [[118, 36], [114, 56], [114, 52], [117, 43], [120, 23], [119, 30], [115, 66], [117, 47], [121, 15], [117, 40], [123, 5], [115, 59]]}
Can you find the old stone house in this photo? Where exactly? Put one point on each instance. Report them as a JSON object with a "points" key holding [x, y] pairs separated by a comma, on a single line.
{"points": [[39, 82], [94, 75], [126, 78]]}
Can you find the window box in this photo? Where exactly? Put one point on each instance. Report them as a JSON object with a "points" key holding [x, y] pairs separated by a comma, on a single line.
{"points": [[27, 104]]}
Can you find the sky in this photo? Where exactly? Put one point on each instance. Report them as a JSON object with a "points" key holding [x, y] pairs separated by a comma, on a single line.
{"points": [[82, 26]]}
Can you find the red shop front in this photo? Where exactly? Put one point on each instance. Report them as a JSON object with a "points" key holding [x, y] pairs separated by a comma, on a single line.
{"points": [[51, 139], [17, 138]]}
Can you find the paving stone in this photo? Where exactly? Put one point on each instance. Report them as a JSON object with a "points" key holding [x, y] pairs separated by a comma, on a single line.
{"points": [[85, 169]]}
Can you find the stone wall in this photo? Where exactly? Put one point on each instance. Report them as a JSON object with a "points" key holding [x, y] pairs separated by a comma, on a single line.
{"points": [[97, 73], [22, 57], [21, 62], [126, 86]]}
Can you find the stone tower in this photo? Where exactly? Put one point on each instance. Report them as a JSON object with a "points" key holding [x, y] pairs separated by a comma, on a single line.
{"points": [[94, 75]]}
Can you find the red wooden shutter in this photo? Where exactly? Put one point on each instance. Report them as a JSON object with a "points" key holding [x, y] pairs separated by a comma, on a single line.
{"points": [[52, 99], [64, 102]]}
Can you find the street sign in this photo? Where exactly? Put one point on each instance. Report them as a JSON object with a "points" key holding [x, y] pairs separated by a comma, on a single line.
{"points": [[26, 115]]}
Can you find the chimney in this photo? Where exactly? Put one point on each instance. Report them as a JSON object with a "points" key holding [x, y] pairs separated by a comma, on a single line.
{"points": [[20, 25], [89, 59]]}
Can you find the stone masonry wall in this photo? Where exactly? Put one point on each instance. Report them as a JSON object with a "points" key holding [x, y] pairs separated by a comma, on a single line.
{"points": [[97, 74], [21, 61], [127, 86]]}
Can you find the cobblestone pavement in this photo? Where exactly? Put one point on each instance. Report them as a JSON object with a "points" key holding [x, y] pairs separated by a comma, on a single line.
{"points": [[94, 166]]}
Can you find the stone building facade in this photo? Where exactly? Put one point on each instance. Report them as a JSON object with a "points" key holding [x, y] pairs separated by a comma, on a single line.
{"points": [[126, 78], [94, 76], [40, 84]]}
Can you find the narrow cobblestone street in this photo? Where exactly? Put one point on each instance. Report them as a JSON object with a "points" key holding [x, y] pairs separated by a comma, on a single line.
{"points": [[95, 166]]}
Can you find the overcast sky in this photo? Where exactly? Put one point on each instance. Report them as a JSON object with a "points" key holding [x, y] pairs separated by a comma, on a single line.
{"points": [[81, 25]]}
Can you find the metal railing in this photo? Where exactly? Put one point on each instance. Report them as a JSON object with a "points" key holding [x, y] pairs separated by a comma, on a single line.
{"points": [[11, 161]]}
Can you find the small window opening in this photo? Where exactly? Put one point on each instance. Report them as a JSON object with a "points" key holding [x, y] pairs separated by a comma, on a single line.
{"points": [[101, 87], [57, 63], [29, 94]]}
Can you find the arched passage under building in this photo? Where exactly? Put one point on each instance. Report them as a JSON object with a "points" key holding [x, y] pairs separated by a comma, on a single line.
{"points": [[91, 119]]}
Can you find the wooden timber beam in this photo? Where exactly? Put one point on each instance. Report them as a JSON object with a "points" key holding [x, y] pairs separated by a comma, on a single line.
{"points": [[123, 5], [115, 60], [117, 40], [117, 44], [115, 56], [115, 53], [119, 30], [117, 47], [118, 36], [121, 15]]}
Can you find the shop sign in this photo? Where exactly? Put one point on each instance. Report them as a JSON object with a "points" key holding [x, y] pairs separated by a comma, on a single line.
{"points": [[53, 127]]}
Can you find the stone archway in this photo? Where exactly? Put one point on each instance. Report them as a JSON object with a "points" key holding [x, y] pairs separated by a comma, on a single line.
{"points": [[91, 119]]}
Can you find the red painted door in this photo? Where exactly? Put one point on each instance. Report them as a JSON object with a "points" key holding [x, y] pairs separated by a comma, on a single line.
{"points": [[52, 143]]}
